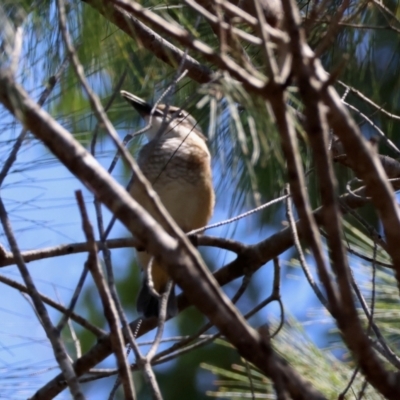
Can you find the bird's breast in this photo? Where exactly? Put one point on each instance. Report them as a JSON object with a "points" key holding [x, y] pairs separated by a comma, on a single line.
{"points": [[180, 173], [175, 159]]}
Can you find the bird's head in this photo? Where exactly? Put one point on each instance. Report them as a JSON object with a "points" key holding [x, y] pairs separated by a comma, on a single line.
{"points": [[177, 122]]}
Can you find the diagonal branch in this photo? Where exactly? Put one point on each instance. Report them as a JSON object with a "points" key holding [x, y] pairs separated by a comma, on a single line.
{"points": [[183, 263]]}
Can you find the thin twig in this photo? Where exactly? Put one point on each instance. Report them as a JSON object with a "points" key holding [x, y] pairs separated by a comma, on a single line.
{"points": [[74, 299], [302, 259], [51, 83], [388, 353], [369, 101], [161, 321], [110, 311], [56, 342], [75, 317], [381, 134], [238, 217]]}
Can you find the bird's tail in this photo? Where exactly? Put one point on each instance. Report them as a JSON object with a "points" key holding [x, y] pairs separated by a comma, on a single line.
{"points": [[149, 305]]}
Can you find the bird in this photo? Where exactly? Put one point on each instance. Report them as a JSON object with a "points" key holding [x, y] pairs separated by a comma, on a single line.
{"points": [[177, 163]]}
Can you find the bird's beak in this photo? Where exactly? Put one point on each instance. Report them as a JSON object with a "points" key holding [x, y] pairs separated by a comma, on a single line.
{"points": [[143, 108]]}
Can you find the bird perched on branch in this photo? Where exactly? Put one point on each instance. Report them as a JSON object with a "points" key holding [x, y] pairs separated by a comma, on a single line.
{"points": [[176, 161]]}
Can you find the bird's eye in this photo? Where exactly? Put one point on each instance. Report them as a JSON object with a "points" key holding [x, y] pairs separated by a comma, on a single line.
{"points": [[180, 115]]}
